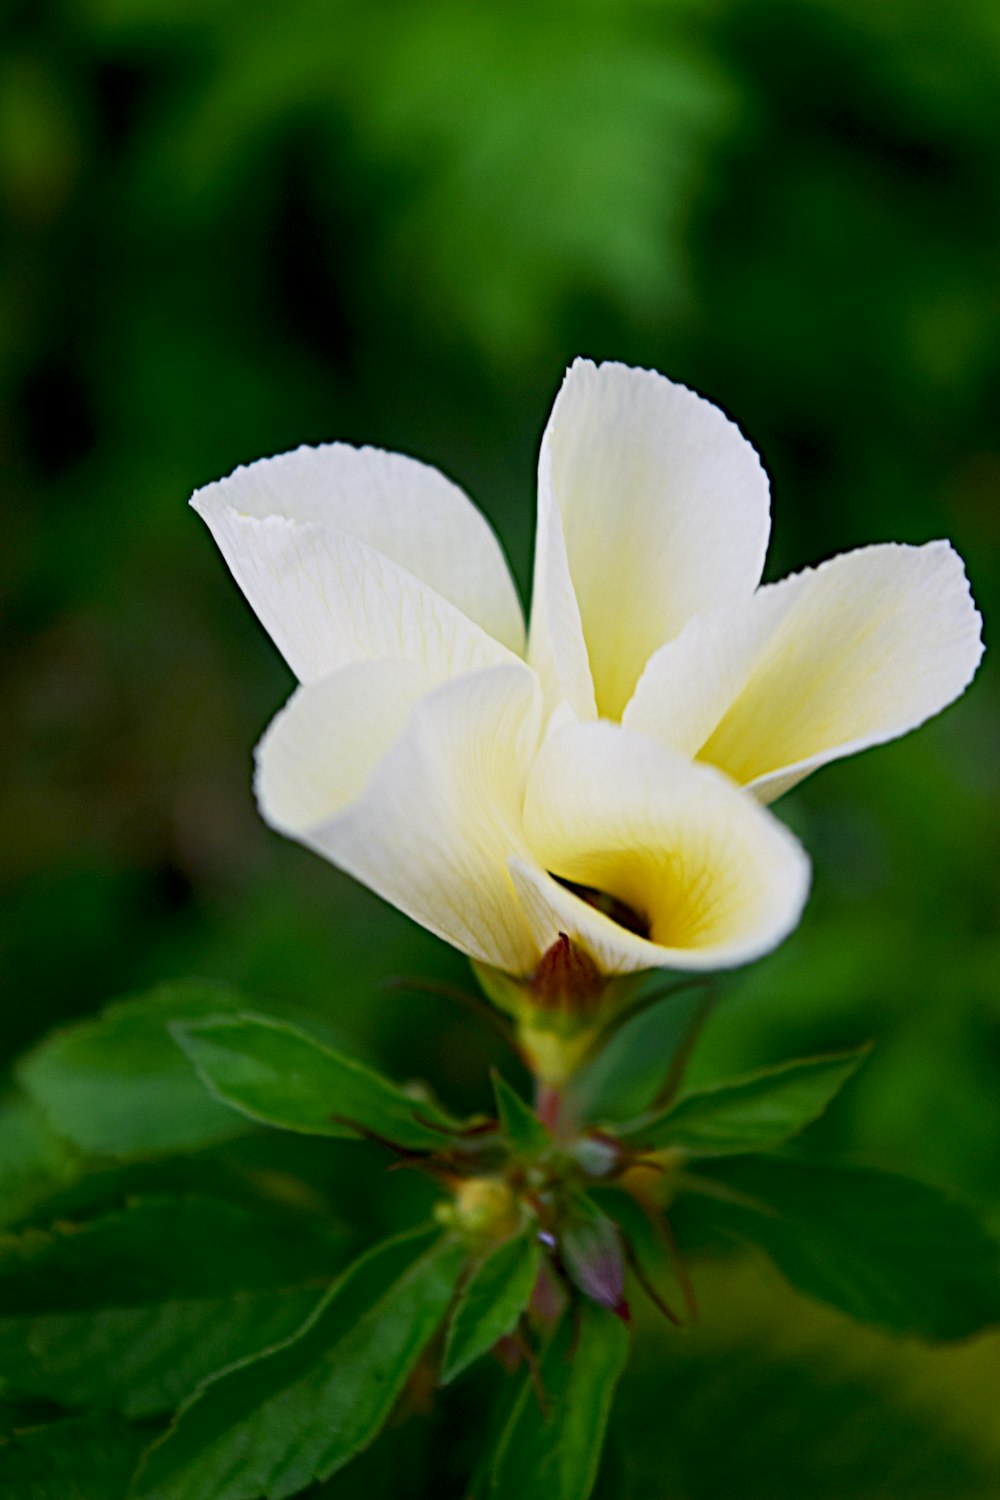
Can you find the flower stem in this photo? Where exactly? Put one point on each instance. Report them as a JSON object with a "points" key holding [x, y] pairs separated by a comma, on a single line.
{"points": [[548, 1106]]}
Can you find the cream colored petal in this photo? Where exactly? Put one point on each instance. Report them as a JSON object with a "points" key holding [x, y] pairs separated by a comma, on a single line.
{"points": [[665, 513], [426, 815], [818, 666], [712, 879], [556, 648], [347, 553], [321, 750], [327, 600]]}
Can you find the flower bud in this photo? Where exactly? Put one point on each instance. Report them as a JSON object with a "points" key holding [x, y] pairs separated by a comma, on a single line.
{"points": [[596, 1155], [483, 1208], [567, 979], [559, 1009], [594, 1257]]}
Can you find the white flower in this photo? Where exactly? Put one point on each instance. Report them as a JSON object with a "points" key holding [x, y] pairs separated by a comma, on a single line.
{"points": [[592, 783]]}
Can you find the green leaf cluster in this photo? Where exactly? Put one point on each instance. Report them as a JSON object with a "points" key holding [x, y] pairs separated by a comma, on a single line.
{"points": [[299, 1412], [232, 1308], [890, 1252], [131, 1310], [228, 1341]]}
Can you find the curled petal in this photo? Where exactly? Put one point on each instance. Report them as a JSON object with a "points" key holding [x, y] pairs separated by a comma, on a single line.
{"points": [[350, 553], [664, 512], [418, 797], [321, 750], [648, 861], [818, 666]]}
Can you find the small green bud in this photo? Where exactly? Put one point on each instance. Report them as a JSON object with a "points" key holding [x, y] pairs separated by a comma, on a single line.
{"points": [[483, 1208], [596, 1155]]}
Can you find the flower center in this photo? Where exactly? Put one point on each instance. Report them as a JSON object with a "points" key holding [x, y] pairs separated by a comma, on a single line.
{"points": [[619, 911]]}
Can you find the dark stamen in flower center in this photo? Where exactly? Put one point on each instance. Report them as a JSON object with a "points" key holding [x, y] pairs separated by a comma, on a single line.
{"points": [[619, 911]]}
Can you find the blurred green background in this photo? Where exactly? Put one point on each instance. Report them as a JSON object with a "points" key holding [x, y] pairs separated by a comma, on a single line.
{"points": [[231, 229]]}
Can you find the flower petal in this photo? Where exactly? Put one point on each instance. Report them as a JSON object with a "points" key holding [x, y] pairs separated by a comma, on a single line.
{"points": [[818, 666], [556, 647], [431, 824], [709, 878], [321, 750], [347, 553], [665, 513]]}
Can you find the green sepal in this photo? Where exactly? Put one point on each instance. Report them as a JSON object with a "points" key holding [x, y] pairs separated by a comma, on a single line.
{"points": [[555, 1454], [649, 1253], [132, 1311], [753, 1113], [492, 1301], [277, 1075], [299, 1412], [886, 1250], [117, 1086], [519, 1124]]}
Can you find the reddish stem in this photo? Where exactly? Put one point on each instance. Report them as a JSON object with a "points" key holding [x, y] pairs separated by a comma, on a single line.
{"points": [[548, 1106]]}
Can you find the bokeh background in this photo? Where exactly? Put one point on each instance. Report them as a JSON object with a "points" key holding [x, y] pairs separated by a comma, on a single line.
{"points": [[230, 229]]}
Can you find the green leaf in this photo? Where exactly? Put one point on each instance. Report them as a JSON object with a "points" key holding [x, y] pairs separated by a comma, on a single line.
{"points": [[626, 1075], [84, 1458], [34, 1162], [491, 1302], [116, 1086], [271, 1425], [135, 1309], [752, 1113], [554, 1455], [520, 1125], [277, 1075], [884, 1249]]}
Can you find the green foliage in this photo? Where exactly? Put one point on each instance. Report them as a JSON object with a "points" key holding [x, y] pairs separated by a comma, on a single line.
{"points": [[81, 1458], [626, 1076], [491, 1301], [273, 1424], [131, 1311], [275, 1074], [754, 1113], [519, 1124], [444, 98], [117, 1086], [770, 1397], [224, 1308], [884, 1249], [551, 1446], [33, 1160]]}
